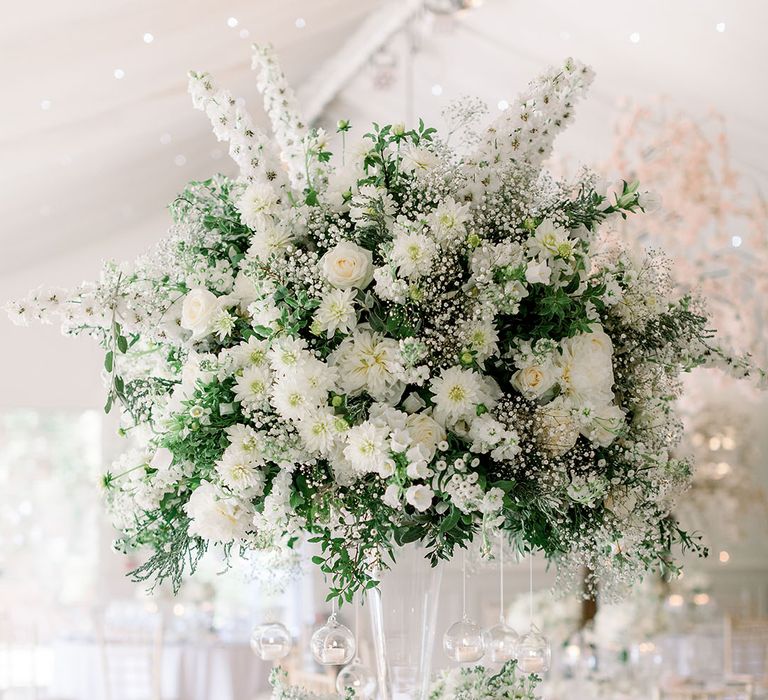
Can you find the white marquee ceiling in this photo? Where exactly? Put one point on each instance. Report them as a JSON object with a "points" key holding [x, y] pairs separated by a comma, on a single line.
{"points": [[91, 160]]}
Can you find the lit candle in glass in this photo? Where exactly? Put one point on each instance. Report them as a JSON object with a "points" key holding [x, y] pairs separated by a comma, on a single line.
{"points": [[532, 664], [333, 655]]}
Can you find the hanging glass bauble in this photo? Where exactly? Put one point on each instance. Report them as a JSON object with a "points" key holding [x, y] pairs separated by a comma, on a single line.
{"points": [[333, 644], [271, 641], [501, 643], [463, 641], [359, 678], [534, 653]]}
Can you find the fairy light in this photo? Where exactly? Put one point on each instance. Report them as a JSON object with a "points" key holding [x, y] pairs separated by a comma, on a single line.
{"points": [[119, 73], [232, 22], [503, 105], [724, 557], [437, 89], [45, 105], [165, 138], [720, 27], [244, 34], [736, 241], [300, 23], [148, 37], [634, 37], [675, 600], [180, 160]]}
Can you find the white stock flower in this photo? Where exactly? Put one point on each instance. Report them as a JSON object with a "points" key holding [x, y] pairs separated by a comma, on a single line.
{"points": [[420, 497], [336, 312], [198, 311], [413, 253], [348, 265], [215, 516]]}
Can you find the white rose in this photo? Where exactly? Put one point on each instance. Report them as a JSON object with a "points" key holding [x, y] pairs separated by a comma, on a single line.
{"points": [[348, 265], [420, 497], [534, 380], [426, 432], [198, 311], [587, 367]]}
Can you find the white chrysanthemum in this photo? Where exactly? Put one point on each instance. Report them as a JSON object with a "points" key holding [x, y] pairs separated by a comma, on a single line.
{"points": [[482, 338], [270, 238], [215, 516], [240, 472], [320, 429], [337, 312], [367, 361], [256, 204], [290, 397], [251, 353], [253, 386], [287, 353], [244, 438], [448, 221], [457, 393], [367, 447], [317, 377], [418, 159], [413, 253]]}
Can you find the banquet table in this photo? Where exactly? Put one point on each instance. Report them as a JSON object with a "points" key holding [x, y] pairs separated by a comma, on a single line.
{"points": [[187, 670]]}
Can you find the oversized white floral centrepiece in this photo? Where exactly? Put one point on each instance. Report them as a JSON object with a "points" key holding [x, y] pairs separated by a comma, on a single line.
{"points": [[394, 343]]}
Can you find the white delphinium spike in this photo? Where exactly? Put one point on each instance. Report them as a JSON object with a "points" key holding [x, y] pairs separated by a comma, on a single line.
{"points": [[249, 147], [299, 145], [526, 131]]}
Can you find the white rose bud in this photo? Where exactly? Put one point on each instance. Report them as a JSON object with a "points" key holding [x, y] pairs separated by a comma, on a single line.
{"points": [[348, 265], [535, 380], [420, 497], [198, 311]]}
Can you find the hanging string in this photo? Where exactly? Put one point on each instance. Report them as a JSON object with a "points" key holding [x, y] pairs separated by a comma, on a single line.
{"points": [[464, 584], [357, 626], [501, 576], [530, 587]]}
